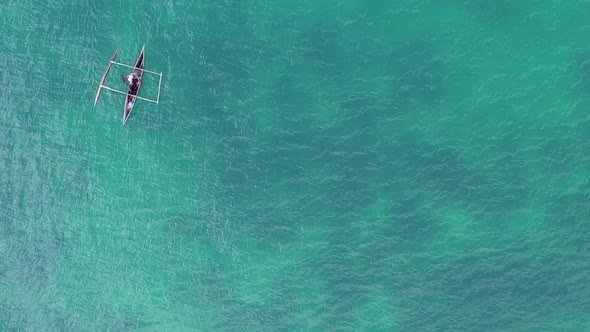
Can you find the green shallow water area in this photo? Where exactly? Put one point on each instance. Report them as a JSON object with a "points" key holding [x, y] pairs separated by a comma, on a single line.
{"points": [[312, 166]]}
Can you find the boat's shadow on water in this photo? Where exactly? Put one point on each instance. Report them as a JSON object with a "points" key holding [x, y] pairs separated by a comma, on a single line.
{"points": [[179, 223], [191, 228], [186, 226], [203, 231]]}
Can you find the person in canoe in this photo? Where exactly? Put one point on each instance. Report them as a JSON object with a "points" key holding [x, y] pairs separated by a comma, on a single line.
{"points": [[132, 80]]}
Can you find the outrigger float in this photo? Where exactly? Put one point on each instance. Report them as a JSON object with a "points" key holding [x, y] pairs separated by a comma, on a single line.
{"points": [[131, 95]]}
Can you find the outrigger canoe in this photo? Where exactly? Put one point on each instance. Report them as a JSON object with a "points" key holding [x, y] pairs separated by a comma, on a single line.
{"points": [[131, 94]]}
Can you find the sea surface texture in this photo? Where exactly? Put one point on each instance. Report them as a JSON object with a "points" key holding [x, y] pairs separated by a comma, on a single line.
{"points": [[346, 165]]}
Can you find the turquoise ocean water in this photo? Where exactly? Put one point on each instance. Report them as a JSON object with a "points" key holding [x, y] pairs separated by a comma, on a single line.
{"points": [[312, 166]]}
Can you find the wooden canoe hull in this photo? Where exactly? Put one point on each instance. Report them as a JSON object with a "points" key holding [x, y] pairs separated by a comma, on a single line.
{"points": [[131, 95]]}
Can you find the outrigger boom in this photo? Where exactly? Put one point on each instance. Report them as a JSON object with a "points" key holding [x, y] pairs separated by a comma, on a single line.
{"points": [[131, 94], [128, 66], [123, 92]]}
